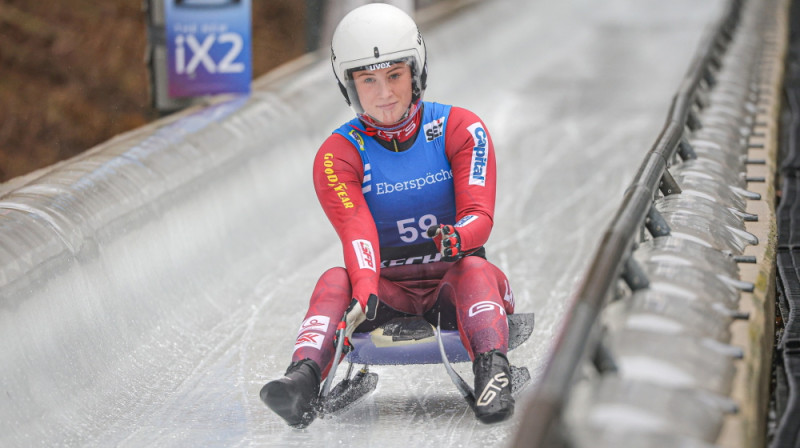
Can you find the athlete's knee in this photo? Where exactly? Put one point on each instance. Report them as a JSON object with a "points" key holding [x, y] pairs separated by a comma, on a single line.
{"points": [[467, 270], [335, 276], [470, 263], [333, 286]]}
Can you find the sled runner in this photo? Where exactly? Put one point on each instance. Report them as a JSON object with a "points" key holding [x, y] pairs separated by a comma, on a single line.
{"points": [[409, 340]]}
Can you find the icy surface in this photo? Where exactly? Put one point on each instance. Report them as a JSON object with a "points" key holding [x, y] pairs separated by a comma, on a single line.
{"points": [[158, 327]]}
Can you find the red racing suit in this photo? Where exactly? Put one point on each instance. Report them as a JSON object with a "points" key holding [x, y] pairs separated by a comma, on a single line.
{"points": [[471, 294]]}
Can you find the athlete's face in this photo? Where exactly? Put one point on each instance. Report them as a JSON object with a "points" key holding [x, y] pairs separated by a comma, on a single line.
{"points": [[385, 94]]}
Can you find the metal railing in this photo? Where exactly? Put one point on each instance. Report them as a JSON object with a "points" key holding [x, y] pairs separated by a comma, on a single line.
{"points": [[579, 337]]}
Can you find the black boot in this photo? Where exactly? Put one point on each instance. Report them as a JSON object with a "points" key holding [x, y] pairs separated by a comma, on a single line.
{"points": [[294, 396], [493, 400]]}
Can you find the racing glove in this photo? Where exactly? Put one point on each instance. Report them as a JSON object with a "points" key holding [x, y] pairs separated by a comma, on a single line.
{"points": [[447, 241], [357, 313]]}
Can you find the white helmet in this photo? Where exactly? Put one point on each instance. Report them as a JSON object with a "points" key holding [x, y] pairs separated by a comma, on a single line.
{"points": [[372, 34]]}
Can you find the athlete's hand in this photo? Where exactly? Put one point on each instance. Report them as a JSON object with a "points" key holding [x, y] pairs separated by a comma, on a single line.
{"points": [[358, 313], [447, 240]]}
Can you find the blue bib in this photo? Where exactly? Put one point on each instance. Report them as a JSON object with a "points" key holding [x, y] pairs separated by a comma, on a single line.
{"points": [[407, 191]]}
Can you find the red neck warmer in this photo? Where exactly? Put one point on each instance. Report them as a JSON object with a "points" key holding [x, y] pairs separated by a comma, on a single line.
{"points": [[400, 131]]}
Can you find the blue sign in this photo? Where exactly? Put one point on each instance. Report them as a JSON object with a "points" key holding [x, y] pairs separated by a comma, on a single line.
{"points": [[208, 47]]}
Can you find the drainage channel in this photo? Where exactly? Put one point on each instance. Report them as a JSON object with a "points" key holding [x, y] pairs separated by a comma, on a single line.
{"points": [[785, 404]]}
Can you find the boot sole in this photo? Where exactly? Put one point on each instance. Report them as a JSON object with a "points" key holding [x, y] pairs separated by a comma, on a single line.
{"points": [[497, 416]]}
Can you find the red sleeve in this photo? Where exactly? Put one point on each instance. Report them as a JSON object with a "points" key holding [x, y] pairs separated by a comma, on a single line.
{"points": [[471, 154], [338, 173]]}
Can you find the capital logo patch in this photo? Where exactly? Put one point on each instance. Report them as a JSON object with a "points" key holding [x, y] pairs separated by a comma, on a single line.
{"points": [[480, 154]]}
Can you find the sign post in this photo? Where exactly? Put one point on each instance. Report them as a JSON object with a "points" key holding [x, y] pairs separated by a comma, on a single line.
{"points": [[208, 47], [199, 48]]}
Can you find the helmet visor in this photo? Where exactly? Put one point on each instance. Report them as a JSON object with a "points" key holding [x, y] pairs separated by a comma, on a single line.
{"points": [[349, 69]]}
